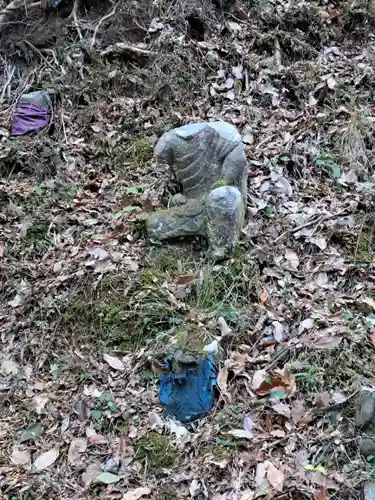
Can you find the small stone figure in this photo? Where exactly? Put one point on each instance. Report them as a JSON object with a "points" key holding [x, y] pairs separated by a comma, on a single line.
{"points": [[209, 161]]}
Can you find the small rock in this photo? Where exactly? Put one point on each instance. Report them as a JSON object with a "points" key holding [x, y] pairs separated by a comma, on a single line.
{"points": [[366, 407], [367, 446]]}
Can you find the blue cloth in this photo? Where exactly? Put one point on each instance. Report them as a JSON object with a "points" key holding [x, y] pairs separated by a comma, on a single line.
{"points": [[189, 396]]}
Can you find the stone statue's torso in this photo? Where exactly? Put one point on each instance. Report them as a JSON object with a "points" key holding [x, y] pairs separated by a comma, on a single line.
{"points": [[199, 151]]}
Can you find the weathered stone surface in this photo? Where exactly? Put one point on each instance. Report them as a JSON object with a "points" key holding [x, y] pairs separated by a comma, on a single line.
{"points": [[209, 161], [366, 407], [225, 217]]}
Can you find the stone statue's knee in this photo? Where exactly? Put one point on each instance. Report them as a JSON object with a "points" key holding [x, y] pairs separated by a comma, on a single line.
{"points": [[225, 216], [224, 200]]}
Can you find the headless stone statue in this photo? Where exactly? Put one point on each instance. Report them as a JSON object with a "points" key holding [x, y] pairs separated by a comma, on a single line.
{"points": [[209, 161]]}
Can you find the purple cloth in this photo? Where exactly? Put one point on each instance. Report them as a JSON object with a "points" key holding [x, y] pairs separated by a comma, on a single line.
{"points": [[29, 118]]}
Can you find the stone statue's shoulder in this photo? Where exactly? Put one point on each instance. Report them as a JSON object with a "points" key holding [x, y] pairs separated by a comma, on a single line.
{"points": [[223, 129]]}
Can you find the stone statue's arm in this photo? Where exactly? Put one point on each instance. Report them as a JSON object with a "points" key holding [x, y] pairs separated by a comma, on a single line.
{"points": [[234, 171]]}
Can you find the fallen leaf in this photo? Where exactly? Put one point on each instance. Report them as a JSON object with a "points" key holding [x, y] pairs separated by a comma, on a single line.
{"points": [[80, 408], [239, 433], [136, 494], [45, 460], [91, 474], [93, 438], [297, 410], [258, 379], [274, 476], [40, 403], [306, 324], [18, 300], [338, 397], [284, 186], [155, 420], [222, 381], [320, 242], [194, 488], [278, 386], [185, 279], [281, 409], [260, 474], [96, 127], [326, 342], [77, 446], [292, 258], [278, 331], [248, 426], [224, 328], [114, 362], [31, 432], [8, 367], [263, 296], [175, 428], [108, 478], [369, 301], [19, 457], [301, 458], [316, 468]]}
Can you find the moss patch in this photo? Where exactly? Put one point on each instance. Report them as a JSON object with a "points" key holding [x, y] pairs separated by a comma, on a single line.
{"points": [[156, 452]]}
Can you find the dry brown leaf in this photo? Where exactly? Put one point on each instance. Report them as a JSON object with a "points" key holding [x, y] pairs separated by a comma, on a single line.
{"points": [[96, 439], [264, 383], [114, 362], [274, 476], [19, 457], [46, 459], [222, 382], [263, 296], [326, 342], [77, 446], [136, 494]]}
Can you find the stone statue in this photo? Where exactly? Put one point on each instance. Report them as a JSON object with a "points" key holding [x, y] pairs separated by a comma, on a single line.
{"points": [[209, 162]]}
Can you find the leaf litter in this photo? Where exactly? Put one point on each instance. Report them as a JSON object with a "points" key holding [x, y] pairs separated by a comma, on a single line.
{"points": [[79, 280]]}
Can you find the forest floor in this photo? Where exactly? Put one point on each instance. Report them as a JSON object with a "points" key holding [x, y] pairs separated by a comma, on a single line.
{"points": [[88, 308]]}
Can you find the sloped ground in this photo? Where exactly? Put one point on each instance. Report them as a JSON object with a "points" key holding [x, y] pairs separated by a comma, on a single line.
{"points": [[89, 309]]}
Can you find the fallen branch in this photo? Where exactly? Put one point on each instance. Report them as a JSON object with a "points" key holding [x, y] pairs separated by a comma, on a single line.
{"points": [[74, 16], [123, 48], [101, 21]]}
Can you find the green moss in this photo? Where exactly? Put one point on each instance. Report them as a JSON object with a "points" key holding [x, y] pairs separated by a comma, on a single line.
{"points": [[156, 452], [37, 235], [148, 275], [163, 211], [219, 183], [113, 316], [218, 451], [230, 417], [191, 338], [140, 152]]}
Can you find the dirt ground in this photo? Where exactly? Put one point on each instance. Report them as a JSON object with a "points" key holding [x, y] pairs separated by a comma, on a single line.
{"points": [[89, 308]]}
